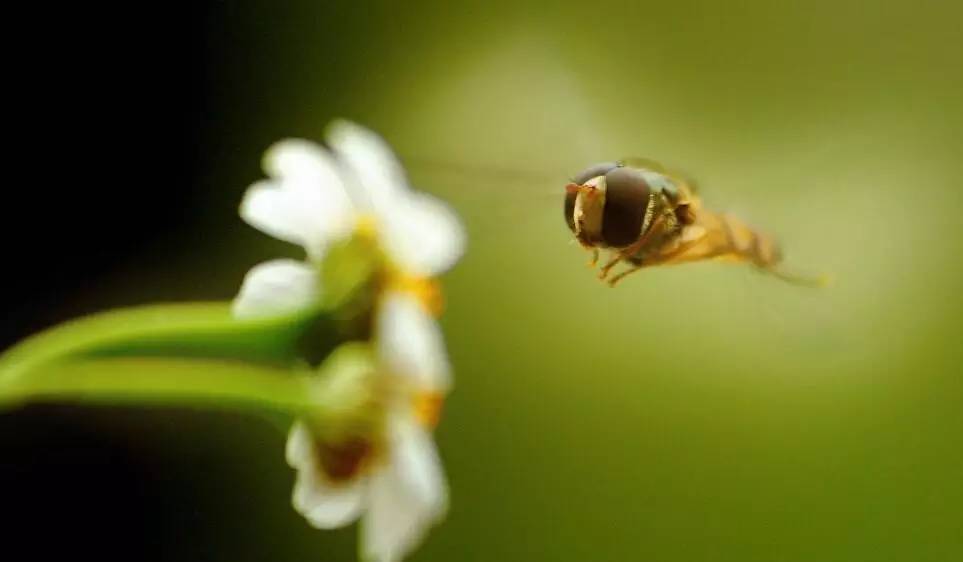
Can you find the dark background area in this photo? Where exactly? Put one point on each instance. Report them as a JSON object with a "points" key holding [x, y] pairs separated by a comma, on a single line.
{"points": [[102, 172], [108, 145], [131, 150]]}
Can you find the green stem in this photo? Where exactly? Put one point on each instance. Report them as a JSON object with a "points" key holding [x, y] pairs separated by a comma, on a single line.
{"points": [[167, 381], [196, 330]]}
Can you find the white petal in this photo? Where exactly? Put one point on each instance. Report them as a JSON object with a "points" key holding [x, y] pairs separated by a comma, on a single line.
{"points": [[414, 459], [407, 497], [297, 159], [298, 213], [410, 342], [379, 177], [419, 231], [276, 287], [324, 505], [298, 450], [423, 235], [273, 210], [305, 203]]}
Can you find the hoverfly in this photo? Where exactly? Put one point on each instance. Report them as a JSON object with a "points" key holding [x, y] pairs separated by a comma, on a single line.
{"points": [[647, 216]]}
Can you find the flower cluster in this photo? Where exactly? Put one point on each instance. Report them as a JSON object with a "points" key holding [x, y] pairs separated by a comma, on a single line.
{"points": [[389, 474]]}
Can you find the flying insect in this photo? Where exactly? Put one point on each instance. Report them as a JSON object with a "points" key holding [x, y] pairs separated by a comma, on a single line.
{"points": [[647, 216]]}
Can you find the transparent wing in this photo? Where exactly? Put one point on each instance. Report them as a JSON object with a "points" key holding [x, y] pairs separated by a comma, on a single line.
{"points": [[647, 163], [678, 175], [507, 194], [488, 173]]}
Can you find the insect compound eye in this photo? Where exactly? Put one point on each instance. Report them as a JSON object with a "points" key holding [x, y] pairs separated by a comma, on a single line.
{"points": [[594, 171], [570, 195], [626, 199]]}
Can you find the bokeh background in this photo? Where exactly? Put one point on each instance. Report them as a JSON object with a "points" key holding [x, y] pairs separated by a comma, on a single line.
{"points": [[703, 412]]}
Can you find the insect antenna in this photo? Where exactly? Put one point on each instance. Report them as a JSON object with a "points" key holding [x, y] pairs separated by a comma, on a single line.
{"points": [[471, 170], [506, 193]]}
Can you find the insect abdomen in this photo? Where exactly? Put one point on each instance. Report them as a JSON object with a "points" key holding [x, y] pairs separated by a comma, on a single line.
{"points": [[751, 244]]}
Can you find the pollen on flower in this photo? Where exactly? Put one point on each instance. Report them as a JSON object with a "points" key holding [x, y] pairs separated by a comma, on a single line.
{"points": [[427, 407], [426, 290], [366, 226]]}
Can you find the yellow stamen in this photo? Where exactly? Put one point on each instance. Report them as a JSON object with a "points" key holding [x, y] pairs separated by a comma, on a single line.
{"points": [[427, 407], [367, 227], [425, 289]]}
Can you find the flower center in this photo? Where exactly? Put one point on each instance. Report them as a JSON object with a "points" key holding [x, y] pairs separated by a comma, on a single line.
{"points": [[427, 406], [342, 461], [426, 290]]}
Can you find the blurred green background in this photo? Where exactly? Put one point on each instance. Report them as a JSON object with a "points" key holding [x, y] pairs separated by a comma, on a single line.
{"points": [[702, 412]]}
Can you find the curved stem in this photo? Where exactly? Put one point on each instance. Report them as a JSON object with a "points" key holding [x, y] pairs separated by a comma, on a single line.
{"points": [[170, 381]]}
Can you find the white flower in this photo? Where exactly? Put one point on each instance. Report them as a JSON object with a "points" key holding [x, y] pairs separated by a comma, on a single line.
{"points": [[314, 197]]}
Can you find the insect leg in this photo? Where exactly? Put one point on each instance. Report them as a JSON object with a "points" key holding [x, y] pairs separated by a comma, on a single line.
{"points": [[695, 237], [595, 258], [635, 267], [631, 250], [609, 265]]}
